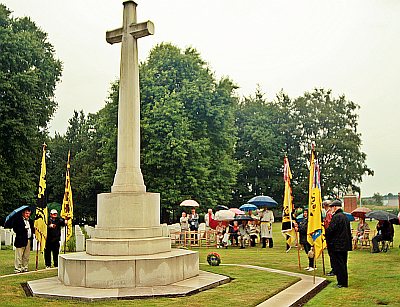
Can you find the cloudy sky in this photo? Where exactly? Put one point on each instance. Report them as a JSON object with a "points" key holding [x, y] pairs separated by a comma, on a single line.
{"points": [[351, 47]]}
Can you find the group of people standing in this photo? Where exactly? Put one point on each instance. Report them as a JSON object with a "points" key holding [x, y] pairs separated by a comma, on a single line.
{"points": [[23, 227]]}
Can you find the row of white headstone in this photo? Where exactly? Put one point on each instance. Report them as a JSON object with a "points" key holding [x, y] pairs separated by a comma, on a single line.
{"points": [[7, 237]]}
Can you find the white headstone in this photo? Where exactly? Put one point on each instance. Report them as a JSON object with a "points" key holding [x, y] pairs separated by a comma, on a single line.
{"points": [[34, 244], [62, 237], [2, 234], [79, 239], [165, 230], [89, 230], [8, 237]]}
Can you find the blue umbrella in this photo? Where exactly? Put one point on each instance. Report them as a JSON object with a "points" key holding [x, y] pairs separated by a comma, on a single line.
{"points": [[349, 216], [248, 207], [299, 218], [10, 217], [263, 201]]}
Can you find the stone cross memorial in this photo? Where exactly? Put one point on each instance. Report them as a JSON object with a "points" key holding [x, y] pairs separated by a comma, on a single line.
{"points": [[128, 177], [129, 250]]}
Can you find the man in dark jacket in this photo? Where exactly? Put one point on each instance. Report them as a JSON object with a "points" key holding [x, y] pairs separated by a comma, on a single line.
{"points": [[303, 240], [385, 233], [23, 228], [53, 239], [338, 237]]}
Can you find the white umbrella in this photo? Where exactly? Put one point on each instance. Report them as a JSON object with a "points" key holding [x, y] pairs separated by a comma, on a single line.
{"points": [[189, 203], [224, 215]]}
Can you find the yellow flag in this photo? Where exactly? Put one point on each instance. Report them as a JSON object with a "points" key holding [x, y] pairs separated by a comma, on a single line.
{"points": [[287, 214], [41, 214], [67, 210], [315, 228]]}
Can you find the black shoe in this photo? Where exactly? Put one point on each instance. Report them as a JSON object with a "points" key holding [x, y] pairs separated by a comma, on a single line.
{"points": [[374, 252], [330, 274], [341, 286]]}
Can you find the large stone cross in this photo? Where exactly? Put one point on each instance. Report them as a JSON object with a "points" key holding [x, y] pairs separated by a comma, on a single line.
{"points": [[128, 177]]}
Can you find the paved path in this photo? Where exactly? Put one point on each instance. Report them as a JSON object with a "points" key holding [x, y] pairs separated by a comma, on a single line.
{"points": [[26, 273], [296, 293]]}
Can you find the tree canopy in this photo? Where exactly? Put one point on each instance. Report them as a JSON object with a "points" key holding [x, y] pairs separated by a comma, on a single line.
{"points": [[198, 139], [331, 124], [28, 76]]}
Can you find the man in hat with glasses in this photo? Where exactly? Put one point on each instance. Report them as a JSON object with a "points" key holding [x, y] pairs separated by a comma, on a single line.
{"points": [[338, 238], [53, 238]]}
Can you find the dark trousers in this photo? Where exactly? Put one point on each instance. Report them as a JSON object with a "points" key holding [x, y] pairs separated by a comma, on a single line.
{"points": [[270, 242], [330, 259], [51, 247], [307, 248], [339, 265], [253, 240], [234, 237], [375, 242]]}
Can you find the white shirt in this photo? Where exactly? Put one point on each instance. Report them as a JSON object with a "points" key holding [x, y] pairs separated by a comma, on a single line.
{"points": [[28, 227]]}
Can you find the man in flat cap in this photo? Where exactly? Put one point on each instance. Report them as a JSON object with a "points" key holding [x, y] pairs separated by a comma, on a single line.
{"points": [[338, 237]]}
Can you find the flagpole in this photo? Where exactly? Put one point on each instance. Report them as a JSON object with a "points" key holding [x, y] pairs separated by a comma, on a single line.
{"points": [[298, 249], [37, 254], [65, 236], [314, 269]]}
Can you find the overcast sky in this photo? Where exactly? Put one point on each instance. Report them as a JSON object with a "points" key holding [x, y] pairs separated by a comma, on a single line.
{"points": [[351, 47]]}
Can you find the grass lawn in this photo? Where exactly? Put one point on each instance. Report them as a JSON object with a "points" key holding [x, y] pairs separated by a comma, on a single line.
{"points": [[374, 279]]}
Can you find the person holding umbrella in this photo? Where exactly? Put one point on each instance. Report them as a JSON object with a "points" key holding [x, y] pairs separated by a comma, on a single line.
{"points": [[24, 230], [266, 220], [193, 225], [385, 233], [193, 220]]}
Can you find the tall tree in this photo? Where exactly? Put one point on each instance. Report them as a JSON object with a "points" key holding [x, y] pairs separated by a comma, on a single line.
{"points": [[28, 76], [331, 123], [188, 131], [259, 150]]}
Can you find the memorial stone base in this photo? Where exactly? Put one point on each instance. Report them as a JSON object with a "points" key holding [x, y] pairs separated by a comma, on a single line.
{"points": [[84, 270], [135, 256]]}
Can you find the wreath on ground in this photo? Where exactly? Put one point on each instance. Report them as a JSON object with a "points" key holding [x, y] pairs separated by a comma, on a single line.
{"points": [[213, 259]]}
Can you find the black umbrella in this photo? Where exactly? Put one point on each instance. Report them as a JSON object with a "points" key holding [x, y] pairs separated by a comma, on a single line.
{"points": [[221, 207], [263, 201], [381, 215], [243, 218], [9, 219]]}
